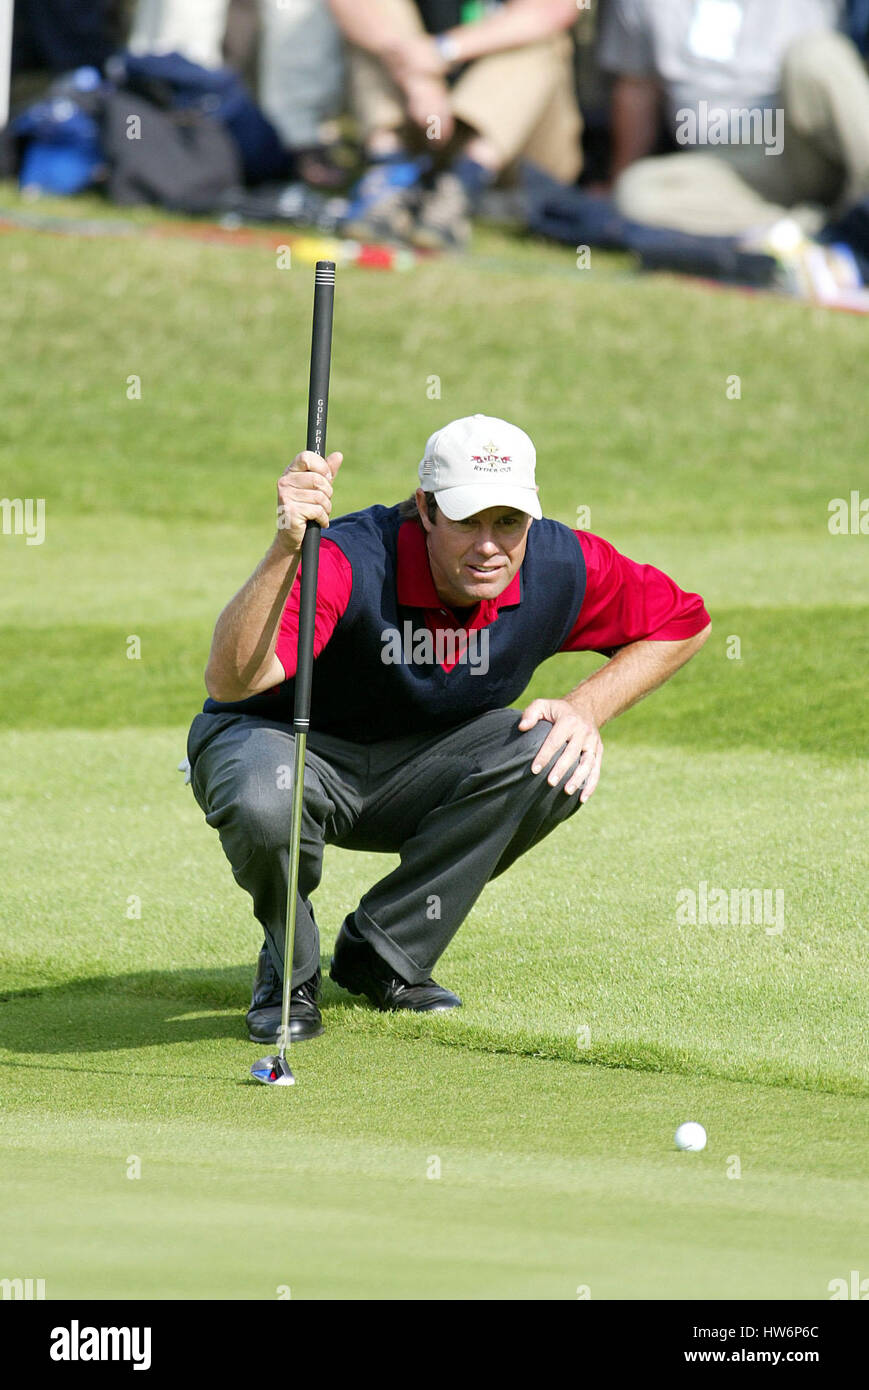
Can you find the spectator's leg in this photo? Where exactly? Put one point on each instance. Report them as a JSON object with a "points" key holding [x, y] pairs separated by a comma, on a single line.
{"points": [[824, 152], [825, 91], [376, 101], [555, 144], [696, 193], [523, 103], [194, 28], [300, 69], [384, 202], [241, 39]]}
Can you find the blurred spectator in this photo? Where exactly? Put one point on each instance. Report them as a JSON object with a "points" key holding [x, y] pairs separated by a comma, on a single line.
{"points": [[771, 77], [58, 36], [241, 39], [476, 94], [858, 24], [300, 62], [301, 78], [193, 28]]}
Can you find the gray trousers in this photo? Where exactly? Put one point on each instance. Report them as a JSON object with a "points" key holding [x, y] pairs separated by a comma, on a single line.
{"points": [[459, 807], [824, 162]]}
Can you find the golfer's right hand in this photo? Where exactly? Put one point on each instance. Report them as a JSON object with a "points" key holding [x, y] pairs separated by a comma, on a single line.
{"points": [[305, 494]]}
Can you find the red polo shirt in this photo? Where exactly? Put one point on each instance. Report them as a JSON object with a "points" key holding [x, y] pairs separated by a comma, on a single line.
{"points": [[623, 602]]}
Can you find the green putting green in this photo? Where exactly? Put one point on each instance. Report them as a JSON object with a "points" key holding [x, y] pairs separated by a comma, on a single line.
{"points": [[523, 1147]]}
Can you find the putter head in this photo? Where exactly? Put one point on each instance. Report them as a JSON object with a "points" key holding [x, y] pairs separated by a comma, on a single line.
{"points": [[273, 1071]]}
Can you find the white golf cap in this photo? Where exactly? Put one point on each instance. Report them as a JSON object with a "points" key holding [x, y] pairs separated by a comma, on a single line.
{"points": [[478, 462]]}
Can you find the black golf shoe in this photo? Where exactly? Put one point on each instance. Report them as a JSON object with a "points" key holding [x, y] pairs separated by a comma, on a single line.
{"points": [[264, 1014], [358, 968]]}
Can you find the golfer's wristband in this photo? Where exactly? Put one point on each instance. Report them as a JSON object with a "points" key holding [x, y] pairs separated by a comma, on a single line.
{"points": [[447, 48]]}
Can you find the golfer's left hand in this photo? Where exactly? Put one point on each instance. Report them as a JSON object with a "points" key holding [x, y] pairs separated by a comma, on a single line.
{"points": [[576, 735]]}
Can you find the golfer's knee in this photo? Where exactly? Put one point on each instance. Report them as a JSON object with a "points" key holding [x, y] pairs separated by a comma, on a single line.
{"points": [[259, 811], [531, 743], [538, 784], [532, 740]]}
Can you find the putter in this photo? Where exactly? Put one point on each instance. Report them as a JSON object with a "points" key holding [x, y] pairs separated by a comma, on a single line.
{"points": [[275, 1071]]}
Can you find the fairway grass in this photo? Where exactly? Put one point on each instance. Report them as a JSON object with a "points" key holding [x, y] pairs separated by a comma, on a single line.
{"points": [[523, 1146]]}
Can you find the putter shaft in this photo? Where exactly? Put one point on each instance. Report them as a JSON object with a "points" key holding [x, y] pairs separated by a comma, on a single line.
{"points": [[300, 741], [318, 409]]}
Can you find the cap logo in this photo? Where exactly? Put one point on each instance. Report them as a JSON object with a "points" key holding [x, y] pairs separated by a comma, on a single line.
{"points": [[491, 457]]}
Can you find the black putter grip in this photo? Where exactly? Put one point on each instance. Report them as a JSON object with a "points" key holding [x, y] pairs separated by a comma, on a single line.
{"points": [[318, 408]]}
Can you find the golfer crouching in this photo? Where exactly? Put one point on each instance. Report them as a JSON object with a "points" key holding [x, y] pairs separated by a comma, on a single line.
{"points": [[431, 618]]}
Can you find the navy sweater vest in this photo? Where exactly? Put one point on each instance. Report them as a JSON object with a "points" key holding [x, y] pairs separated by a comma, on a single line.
{"points": [[362, 693]]}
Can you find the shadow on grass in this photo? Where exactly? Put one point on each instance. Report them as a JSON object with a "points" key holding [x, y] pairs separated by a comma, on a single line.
{"points": [[175, 1008], [149, 1008]]}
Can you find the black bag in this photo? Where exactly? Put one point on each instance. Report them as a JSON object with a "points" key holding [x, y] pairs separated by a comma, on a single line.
{"points": [[172, 82], [181, 160]]}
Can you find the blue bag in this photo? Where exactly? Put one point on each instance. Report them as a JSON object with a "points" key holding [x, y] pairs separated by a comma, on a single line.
{"points": [[60, 143]]}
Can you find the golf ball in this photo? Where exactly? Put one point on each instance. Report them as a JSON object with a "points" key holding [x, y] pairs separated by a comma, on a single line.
{"points": [[691, 1136]]}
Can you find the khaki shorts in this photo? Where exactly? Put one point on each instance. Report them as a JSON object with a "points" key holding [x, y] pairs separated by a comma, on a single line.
{"points": [[523, 101]]}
